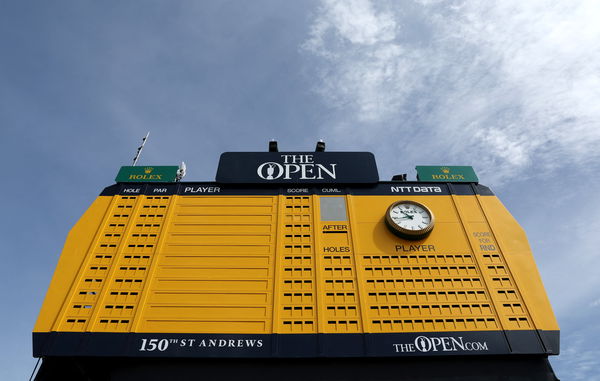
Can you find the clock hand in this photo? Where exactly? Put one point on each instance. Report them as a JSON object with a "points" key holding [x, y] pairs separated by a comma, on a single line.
{"points": [[408, 216]]}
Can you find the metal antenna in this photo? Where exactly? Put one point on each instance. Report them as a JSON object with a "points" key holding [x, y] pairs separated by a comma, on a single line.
{"points": [[140, 148]]}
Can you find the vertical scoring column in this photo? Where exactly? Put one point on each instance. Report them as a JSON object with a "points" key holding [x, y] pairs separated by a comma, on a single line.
{"points": [[84, 300], [125, 282], [509, 302], [338, 282], [296, 267], [502, 288]]}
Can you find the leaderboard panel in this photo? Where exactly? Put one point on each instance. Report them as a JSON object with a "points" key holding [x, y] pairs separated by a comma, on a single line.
{"points": [[451, 283], [206, 269], [215, 269]]}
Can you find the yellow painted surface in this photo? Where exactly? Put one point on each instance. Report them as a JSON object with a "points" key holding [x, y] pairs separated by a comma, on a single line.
{"points": [[73, 254], [513, 242], [271, 264]]}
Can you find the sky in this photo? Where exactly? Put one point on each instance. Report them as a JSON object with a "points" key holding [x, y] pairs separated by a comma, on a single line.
{"points": [[511, 88]]}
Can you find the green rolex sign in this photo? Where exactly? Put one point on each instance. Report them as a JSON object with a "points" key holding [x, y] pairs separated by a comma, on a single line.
{"points": [[161, 174], [447, 174]]}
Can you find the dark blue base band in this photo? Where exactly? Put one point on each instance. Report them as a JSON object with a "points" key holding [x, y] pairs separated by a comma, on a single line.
{"points": [[187, 345]]}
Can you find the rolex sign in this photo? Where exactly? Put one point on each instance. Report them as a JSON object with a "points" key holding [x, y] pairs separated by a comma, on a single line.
{"points": [[150, 173]]}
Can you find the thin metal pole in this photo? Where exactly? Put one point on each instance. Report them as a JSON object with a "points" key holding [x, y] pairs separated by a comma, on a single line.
{"points": [[140, 148], [35, 368]]}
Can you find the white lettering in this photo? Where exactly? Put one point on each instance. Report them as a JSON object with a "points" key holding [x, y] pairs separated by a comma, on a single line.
{"points": [[404, 347], [300, 159], [162, 345], [288, 170], [305, 171], [202, 190], [298, 167], [444, 344], [321, 168], [405, 189], [457, 343], [423, 344]]}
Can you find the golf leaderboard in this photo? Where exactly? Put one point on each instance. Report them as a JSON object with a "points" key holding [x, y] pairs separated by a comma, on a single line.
{"points": [[298, 255]]}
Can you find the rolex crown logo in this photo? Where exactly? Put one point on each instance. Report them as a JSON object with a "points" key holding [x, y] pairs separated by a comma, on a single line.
{"points": [[445, 169], [148, 170]]}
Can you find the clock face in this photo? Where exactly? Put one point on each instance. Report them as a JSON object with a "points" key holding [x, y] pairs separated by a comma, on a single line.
{"points": [[409, 220]]}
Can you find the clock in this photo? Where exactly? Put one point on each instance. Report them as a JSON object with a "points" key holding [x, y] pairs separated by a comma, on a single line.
{"points": [[409, 219]]}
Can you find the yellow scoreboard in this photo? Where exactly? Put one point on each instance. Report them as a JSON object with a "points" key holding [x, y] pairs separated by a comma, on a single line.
{"points": [[296, 255]]}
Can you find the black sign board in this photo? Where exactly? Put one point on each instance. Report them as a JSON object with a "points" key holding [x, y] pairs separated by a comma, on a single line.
{"points": [[297, 168]]}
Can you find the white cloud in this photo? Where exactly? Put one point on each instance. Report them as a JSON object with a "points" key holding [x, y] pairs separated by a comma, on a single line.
{"points": [[567, 247], [582, 359], [516, 82], [355, 21]]}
